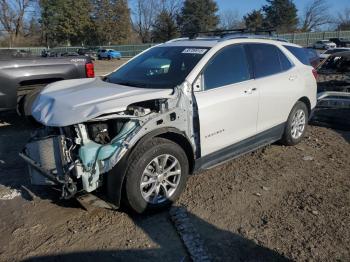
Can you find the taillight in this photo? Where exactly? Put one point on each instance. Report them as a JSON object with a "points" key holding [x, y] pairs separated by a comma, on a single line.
{"points": [[89, 69], [314, 72]]}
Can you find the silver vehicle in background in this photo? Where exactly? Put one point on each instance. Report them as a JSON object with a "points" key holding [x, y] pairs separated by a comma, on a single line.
{"points": [[324, 44]]}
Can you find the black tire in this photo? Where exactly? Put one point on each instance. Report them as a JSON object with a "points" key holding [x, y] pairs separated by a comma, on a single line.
{"points": [[139, 159], [109, 57], [287, 138], [20, 105], [99, 57]]}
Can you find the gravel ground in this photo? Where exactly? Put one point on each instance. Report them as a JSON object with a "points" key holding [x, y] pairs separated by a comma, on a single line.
{"points": [[276, 204], [103, 67]]}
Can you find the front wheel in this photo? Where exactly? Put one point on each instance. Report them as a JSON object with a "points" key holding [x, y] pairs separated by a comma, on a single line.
{"points": [[157, 175], [296, 125]]}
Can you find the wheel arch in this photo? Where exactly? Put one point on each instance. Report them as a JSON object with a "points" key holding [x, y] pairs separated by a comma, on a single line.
{"points": [[307, 102], [115, 182]]}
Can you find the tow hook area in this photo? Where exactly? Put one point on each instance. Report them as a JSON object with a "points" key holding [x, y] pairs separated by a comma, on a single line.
{"points": [[69, 190]]}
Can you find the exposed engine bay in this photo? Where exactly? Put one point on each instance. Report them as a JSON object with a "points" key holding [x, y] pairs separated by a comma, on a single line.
{"points": [[77, 156]]}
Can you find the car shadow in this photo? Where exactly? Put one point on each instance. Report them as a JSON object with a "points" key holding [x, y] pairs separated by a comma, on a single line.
{"points": [[336, 119], [221, 245]]}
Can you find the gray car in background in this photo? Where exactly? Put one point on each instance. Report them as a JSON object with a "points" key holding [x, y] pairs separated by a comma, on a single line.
{"points": [[23, 78]]}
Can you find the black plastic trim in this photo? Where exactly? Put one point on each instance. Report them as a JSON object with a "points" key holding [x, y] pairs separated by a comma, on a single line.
{"points": [[250, 144]]}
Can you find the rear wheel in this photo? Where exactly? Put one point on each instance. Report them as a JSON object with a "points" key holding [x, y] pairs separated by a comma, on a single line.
{"points": [[296, 125], [157, 175]]}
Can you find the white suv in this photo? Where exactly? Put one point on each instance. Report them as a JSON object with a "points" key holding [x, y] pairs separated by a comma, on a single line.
{"points": [[324, 44], [179, 107]]}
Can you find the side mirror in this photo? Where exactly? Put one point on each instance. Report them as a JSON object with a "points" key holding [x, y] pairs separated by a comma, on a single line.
{"points": [[198, 84]]}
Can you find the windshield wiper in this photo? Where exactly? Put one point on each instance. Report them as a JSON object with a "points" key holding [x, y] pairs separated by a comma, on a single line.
{"points": [[126, 83]]}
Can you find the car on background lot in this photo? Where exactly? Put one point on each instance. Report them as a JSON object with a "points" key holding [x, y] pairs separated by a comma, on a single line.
{"points": [[15, 53], [340, 42], [183, 106], [108, 54], [23, 78], [69, 53], [324, 44], [50, 53], [329, 52], [90, 52], [334, 73]]}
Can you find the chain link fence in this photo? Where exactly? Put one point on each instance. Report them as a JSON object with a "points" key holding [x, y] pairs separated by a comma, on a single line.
{"points": [[307, 39], [303, 39], [125, 50]]}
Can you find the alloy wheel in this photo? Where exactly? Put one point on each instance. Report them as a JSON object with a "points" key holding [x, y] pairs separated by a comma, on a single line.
{"points": [[160, 179], [298, 124]]}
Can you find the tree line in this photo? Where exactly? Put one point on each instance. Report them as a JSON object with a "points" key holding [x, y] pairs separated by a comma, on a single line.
{"points": [[105, 22]]}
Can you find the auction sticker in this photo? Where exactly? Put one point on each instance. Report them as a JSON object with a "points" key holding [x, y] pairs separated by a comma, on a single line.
{"points": [[194, 51]]}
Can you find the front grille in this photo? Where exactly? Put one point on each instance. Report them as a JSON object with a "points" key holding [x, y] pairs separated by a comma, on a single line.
{"points": [[47, 152]]}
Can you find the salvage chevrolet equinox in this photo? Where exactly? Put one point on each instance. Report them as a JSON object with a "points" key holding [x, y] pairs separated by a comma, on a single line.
{"points": [[176, 108]]}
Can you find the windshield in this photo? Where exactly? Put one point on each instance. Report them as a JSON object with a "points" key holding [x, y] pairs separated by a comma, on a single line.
{"points": [[160, 67]]}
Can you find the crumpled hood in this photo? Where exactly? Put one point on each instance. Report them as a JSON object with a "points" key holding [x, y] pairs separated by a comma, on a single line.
{"points": [[75, 101]]}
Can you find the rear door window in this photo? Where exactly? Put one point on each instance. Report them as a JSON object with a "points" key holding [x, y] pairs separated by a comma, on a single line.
{"points": [[229, 66], [267, 60], [299, 53]]}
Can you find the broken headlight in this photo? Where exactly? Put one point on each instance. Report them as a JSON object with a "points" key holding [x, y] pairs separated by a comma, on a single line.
{"points": [[104, 132]]}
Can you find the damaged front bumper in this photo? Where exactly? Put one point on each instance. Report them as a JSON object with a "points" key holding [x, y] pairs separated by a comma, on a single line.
{"points": [[78, 166], [47, 166], [77, 156]]}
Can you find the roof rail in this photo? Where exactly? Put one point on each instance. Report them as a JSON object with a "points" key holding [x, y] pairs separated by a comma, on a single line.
{"points": [[276, 38], [228, 32], [177, 39]]}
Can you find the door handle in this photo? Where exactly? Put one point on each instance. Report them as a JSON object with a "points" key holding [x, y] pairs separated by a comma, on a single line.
{"points": [[249, 91], [292, 78]]}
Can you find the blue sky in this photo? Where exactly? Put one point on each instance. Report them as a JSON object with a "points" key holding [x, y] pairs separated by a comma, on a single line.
{"points": [[245, 6]]}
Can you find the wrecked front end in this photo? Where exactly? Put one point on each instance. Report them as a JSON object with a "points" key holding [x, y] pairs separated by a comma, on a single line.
{"points": [[75, 157], [79, 156], [334, 74]]}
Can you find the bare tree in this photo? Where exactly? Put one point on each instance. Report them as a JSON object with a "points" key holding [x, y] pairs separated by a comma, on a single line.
{"points": [[343, 21], [145, 14], [230, 19], [315, 15], [12, 13], [172, 7], [147, 11]]}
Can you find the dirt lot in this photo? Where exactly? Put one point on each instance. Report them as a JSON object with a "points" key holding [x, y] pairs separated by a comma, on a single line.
{"points": [[276, 204], [103, 67]]}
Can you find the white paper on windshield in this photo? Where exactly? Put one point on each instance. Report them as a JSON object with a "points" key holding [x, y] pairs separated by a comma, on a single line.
{"points": [[194, 51]]}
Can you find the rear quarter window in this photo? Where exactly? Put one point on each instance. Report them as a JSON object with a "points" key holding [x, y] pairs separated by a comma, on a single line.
{"points": [[268, 60], [300, 53]]}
